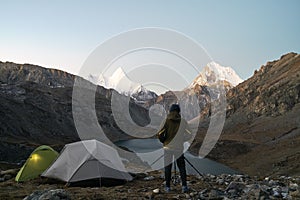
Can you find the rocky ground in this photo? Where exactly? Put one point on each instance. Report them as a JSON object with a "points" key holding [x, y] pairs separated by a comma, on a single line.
{"points": [[151, 186]]}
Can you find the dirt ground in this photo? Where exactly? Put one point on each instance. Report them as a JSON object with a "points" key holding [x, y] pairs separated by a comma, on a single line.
{"points": [[136, 189]]}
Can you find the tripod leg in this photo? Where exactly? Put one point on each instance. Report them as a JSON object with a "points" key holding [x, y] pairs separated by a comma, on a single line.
{"points": [[193, 167], [156, 160], [196, 170]]}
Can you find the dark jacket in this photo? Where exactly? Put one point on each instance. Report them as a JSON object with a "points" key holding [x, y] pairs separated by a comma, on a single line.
{"points": [[176, 129]]}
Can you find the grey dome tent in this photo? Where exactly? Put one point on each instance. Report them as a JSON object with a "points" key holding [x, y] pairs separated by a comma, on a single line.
{"points": [[86, 160]]}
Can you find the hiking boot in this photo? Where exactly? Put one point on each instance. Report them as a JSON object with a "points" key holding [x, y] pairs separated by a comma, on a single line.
{"points": [[167, 189], [185, 189]]}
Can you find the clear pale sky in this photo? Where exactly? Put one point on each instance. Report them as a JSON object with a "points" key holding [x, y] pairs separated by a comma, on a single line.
{"points": [[241, 34]]}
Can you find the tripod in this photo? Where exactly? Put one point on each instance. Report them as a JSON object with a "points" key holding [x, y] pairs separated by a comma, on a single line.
{"points": [[197, 171], [175, 179]]}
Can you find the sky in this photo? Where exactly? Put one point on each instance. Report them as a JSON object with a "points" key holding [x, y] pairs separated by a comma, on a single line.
{"points": [[241, 34]]}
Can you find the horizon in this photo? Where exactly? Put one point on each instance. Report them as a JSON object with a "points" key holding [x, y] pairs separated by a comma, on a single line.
{"points": [[126, 80]]}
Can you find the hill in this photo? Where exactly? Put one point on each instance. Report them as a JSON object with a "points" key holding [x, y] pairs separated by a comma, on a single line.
{"points": [[36, 108], [261, 135]]}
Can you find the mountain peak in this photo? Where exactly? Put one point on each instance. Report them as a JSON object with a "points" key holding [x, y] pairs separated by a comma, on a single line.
{"points": [[214, 72], [121, 82], [118, 81]]}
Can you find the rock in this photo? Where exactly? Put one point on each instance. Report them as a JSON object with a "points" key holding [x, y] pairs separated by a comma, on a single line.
{"points": [[148, 178], [214, 194], [192, 194], [149, 195], [237, 178], [284, 195], [21, 163], [220, 181], [203, 191], [256, 191], [277, 192], [295, 194], [237, 186], [203, 194], [200, 177], [249, 188], [293, 186], [212, 176], [284, 189], [56, 194], [10, 171], [272, 183], [156, 191], [7, 177], [143, 190], [120, 190]]}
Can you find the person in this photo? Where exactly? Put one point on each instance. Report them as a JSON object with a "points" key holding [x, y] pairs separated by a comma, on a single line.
{"points": [[175, 129]]}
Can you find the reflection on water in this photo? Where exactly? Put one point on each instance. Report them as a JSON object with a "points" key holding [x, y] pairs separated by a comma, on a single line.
{"points": [[150, 151]]}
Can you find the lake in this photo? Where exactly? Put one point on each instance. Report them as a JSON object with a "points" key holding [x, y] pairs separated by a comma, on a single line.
{"points": [[150, 151]]}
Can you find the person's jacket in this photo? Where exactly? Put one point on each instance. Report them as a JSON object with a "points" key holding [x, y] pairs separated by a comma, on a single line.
{"points": [[177, 131]]}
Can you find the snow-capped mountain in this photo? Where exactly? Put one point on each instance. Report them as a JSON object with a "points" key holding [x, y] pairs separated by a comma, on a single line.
{"points": [[214, 72], [118, 81], [142, 94], [122, 83]]}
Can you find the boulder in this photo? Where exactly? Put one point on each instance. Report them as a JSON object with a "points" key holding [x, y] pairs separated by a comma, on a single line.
{"points": [[56, 194]]}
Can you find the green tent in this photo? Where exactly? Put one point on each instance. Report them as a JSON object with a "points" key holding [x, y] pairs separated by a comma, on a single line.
{"points": [[39, 160]]}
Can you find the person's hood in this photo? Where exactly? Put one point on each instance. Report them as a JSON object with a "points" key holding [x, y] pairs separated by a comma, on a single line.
{"points": [[175, 116]]}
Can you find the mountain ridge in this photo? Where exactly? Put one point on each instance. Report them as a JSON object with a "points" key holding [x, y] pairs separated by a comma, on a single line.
{"points": [[13, 73], [36, 108]]}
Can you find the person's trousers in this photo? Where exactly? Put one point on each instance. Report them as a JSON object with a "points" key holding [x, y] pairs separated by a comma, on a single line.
{"points": [[168, 160]]}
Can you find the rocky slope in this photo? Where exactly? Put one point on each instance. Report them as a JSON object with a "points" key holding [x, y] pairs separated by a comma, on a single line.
{"points": [[261, 134], [193, 101], [36, 108]]}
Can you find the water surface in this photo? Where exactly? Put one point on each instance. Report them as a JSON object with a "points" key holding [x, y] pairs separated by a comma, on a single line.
{"points": [[150, 151]]}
